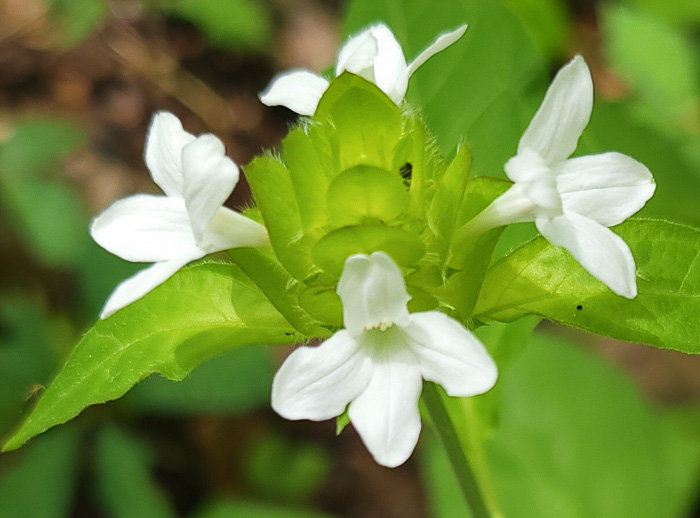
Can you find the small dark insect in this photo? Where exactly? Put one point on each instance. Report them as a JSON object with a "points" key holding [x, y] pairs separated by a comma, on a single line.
{"points": [[579, 307], [406, 170], [289, 334]]}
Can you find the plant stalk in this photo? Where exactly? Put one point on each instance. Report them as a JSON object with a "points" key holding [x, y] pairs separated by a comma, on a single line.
{"points": [[450, 441]]}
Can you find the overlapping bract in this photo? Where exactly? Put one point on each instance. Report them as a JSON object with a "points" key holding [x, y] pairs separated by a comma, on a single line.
{"points": [[374, 54], [377, 364], [572, 201], [187, 223]]}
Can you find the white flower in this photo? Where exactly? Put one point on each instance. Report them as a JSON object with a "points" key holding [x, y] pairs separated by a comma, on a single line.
{"points": [[377, 363], [186, 224], [374, 54], [572, 200]]}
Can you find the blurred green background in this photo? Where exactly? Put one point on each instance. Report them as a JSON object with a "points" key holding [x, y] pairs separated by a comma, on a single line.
{"points": [[579, 426]]}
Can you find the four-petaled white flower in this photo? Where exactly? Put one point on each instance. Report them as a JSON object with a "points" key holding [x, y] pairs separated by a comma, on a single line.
{"points": [[378, 362], [186, 224], [374, 54], [571, 200]]}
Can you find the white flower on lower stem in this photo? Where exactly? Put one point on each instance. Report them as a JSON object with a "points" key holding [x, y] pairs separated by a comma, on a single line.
{"points": [[187, 223], [572, 200], [374, 54], [378, 362]]}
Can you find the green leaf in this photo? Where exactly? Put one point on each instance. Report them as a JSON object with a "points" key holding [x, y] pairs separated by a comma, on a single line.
{"points": [[200, 312], [77, 18], [309, 172], [475, 89], [231, 23], [272, 188], [47, 214], [208, 389], [447, 199], [577, 440], [367, 124], [677, 180], [50, 218], [684, 13], [543, 279], [417, 157], [39, 482], [470, 255], [286, 472], [125, 482], [366, 194], [657, 60], [27, 360], [445, 498], [549, 22], [278, 286], [246, 509], [333, 249], [36, 146]]}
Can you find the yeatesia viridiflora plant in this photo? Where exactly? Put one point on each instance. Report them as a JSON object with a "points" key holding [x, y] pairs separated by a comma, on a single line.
{"points": [[353, 242]]}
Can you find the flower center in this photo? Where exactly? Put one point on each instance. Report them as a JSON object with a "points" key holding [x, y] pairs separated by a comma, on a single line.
{"points": [[382, 325]]}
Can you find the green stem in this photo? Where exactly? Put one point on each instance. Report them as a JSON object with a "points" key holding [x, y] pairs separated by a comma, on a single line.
{"points": [[450, 440]]}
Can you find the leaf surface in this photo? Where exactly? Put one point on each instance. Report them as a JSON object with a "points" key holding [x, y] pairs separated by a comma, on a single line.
{"points": [[202, 311], [539, 278]]}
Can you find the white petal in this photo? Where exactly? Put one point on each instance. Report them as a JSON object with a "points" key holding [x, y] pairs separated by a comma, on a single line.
{"points": [[298, 89], [513, 206], [450, 355], [390, 65], [357, 55], [386, 413], [141, 283], [209, 178], [607, 188], [163, 152], [603, 253], [317, 383], [231, 229], [145, 228], [373, 292], [440, 43], [555, 129]]}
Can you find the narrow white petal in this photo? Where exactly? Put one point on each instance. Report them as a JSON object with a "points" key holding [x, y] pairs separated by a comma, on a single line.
{"points": [[450, 355], [555, 129], [440, 43], [163, 152], [299, 90], [145, 228], [385, 414], [317, 383], [373, 292], [231, 229], [603, 253], [138, 285], [357, 55], [209, 178], [607, 188]]}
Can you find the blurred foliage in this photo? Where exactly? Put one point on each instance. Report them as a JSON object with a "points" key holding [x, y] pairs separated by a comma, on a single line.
{"points": [[577, 439], [45, 212], [40, 483], [77, 19], [237, 24]]}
